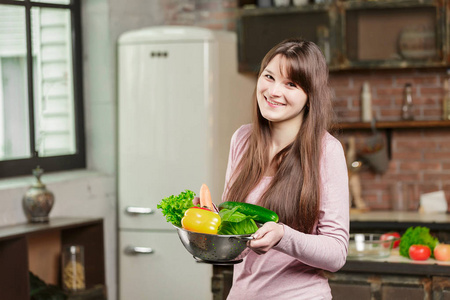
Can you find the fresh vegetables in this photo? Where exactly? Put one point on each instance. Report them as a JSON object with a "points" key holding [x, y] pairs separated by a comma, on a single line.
{"points": [[174, 207], [260, 214], [205, 197], [201, 220], [235, 223], [419, 252], [442, 252], [391, 235], [416, 236]]}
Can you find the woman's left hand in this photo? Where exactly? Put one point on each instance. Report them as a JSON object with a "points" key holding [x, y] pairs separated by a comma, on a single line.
{"points": [[266, 237]]}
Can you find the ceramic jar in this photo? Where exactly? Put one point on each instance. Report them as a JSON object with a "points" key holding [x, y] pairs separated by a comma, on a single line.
{"points": [[417, 43], [38, 201]]}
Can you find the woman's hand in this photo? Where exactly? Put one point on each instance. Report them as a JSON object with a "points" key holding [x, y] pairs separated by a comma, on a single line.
{"points": [[266, 237], [196, 200]]}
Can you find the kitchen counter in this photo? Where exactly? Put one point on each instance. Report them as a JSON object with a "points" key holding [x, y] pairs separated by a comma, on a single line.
{"points": [[397, 220], [397, 264]]}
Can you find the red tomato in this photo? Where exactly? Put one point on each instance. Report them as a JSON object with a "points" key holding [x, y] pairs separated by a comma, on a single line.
{"points": [[419, 252], [391, 235], [442, 252]]}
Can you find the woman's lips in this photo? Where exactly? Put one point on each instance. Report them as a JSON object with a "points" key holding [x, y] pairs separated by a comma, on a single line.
{"points": [[273, 103]]}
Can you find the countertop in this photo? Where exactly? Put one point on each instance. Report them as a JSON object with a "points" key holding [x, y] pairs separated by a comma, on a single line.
{"points": [[398, 220], [397, 264]]}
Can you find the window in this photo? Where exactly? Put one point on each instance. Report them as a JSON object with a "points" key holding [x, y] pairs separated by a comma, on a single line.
{"points": [[41, 111]]}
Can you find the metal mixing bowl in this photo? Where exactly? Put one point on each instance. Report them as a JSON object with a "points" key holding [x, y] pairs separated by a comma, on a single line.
{"points": [[213, 247]]}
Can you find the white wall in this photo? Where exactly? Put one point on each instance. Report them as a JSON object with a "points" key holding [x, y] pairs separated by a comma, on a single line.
{"points": [[92, 192]]}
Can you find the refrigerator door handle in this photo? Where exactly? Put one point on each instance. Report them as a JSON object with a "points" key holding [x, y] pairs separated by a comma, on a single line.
{"points": [[132, 250], [134, 210]]}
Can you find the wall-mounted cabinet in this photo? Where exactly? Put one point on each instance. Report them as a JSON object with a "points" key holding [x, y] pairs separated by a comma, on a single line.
{"points": [[352, 34], [260, 29]]}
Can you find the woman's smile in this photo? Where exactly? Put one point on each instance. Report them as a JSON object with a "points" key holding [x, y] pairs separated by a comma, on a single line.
{"points": [[273, 103]]}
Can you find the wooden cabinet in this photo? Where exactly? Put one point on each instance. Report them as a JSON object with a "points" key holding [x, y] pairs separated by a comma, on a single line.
{"points": [[352, 34], [260, 29], [24, 245]]}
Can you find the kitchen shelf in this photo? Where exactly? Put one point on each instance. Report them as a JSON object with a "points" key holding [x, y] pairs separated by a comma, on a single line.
{"points": [[348, 32], [394, 124], [17, 242]]}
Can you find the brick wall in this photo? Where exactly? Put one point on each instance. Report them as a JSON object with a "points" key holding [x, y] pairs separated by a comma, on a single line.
{"points": [[420, 158]]}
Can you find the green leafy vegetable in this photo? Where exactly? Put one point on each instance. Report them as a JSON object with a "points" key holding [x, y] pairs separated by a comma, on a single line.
{"points": [[235, 223], [173, 207], [416, 236]]}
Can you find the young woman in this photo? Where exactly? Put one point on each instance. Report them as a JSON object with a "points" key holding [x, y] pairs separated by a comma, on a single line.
{"points": [[288, 162]]}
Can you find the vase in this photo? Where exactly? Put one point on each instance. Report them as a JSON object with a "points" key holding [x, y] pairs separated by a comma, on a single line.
{"points": [[38, 201]]}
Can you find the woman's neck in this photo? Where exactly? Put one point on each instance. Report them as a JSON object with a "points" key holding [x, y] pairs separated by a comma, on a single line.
{"points": [[282, 134]]}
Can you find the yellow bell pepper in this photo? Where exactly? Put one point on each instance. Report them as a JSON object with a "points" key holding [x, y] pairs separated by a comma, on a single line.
{"points": [[201, 220]]}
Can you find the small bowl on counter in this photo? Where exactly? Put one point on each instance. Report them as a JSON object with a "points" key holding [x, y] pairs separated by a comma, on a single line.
{"points": [[369, 246]]}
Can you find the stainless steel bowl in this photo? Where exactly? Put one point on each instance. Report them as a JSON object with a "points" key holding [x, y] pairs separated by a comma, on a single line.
{"points": [[369, 246], [213, 247]]}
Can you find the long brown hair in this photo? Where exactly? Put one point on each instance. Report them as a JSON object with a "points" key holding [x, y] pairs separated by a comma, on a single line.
{"points": [[294, 192]]}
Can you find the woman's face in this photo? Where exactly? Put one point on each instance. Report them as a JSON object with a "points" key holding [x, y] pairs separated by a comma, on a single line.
{"points": [[279, 99]]}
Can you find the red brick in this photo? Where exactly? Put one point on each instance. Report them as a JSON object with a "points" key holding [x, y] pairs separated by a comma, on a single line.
{"points": [[420, 166], [374, 81], [440, 176], [379, 101], [419, 80], [428, 187], [341, 91], [431, 91], [392, 113], [222, 15], [435, 113], [402, 155], [437, 156], [349, 116], [389, 91], [415, 144], [339, 81]]}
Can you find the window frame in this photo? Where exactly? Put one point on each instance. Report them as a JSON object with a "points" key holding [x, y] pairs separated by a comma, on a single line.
{"points": [[18, 167]]}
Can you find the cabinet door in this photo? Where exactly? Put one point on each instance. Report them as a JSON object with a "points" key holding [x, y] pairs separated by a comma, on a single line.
{"points": [[170, 272], [162, 126]]}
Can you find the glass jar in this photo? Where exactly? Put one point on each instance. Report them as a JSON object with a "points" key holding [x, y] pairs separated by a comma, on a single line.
{"points": [[73, 278]]}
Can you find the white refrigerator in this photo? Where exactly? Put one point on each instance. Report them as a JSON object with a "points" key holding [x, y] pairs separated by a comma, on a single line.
{"points": [[180, 100]]}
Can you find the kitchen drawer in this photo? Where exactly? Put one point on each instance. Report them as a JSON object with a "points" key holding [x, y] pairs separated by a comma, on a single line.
{"points": [[169, 272]]}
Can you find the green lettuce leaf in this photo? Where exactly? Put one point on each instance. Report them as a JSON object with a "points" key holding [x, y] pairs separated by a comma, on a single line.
{"points": [[174, 207], [236, 223], [417, 236]]}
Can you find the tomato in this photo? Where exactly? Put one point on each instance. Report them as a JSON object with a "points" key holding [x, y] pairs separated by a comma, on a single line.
{"points": [[391, 235], [419, 252], [201, 220], [442, 252]]}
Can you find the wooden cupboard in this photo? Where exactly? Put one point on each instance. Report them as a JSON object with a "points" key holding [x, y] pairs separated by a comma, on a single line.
{"points": [[20, 249]]}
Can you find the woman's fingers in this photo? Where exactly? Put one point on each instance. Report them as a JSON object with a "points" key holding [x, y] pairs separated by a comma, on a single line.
{"points": [[266, 237], [196, 200]]}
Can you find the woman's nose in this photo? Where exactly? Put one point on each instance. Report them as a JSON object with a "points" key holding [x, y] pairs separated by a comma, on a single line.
{"points": [[275, 90]]}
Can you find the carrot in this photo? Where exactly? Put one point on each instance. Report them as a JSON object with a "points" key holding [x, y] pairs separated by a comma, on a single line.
{"points": [[205, 197]]}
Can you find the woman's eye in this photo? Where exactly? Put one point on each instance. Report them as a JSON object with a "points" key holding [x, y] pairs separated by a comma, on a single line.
{"points": [[268, 76], [291, 84]]}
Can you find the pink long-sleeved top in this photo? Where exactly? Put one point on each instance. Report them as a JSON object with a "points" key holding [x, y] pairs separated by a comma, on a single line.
{"points": [[293, 268]]}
